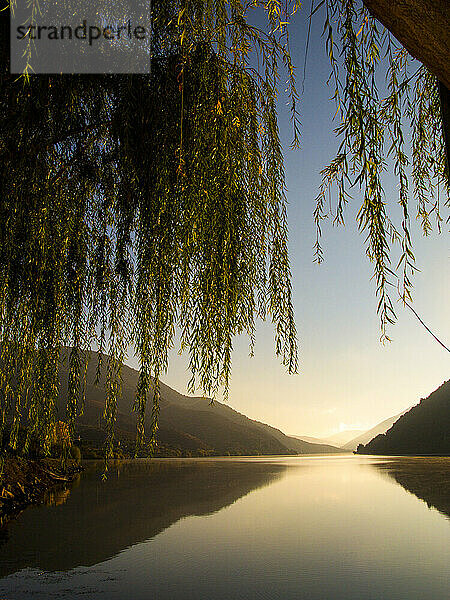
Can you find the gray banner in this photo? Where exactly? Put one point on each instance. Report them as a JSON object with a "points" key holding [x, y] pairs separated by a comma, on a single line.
{"points": [[81, 36]]}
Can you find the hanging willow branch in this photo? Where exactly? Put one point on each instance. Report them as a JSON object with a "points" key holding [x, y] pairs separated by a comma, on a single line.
{"points": [[390, 117], [133, 206]]}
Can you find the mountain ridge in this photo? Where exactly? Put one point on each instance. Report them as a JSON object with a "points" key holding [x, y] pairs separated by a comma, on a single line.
{"points": [[363, 438], [368, 435], [187, 425], [423, 430]]}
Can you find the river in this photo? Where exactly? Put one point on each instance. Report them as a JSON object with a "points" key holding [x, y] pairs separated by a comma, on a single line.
{"points": [[337, 527]]}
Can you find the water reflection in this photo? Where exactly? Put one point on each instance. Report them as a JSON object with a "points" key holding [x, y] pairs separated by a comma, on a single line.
{"points": [[427, 478], [138, 501], [329, 528], [59, 495]]}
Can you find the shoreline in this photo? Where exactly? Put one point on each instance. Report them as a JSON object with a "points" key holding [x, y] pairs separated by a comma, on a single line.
{"points": [[25, 482]]}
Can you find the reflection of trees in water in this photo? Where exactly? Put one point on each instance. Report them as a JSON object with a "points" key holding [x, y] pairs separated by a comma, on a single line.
{"points": [[427, 478], [136, 503], [56, 497], [60, 495]]}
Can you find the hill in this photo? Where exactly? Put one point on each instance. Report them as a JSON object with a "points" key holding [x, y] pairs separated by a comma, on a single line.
{"points": [[337, 439], [424, 429], [308, 438], [350, 440], [365, 437], [188, 426], [343, 437]]}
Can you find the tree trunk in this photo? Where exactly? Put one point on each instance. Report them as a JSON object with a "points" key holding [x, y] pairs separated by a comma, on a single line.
{"points": [[422, 27]]}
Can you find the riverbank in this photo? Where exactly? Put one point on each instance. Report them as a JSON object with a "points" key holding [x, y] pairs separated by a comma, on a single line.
{"points": [[25, 482]]}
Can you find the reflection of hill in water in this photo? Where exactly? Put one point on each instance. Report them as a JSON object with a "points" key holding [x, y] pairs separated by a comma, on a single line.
{"points": [[137, 502], [426, 478]]}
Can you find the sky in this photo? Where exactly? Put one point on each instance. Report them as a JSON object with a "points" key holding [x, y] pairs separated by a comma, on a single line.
{"points": [[347, 378]]}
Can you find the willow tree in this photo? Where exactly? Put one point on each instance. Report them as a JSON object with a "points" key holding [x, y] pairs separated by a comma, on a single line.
{"points": [[135, 207]]}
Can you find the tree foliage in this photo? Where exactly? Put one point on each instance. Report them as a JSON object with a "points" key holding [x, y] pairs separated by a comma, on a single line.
{"points": [[390, 117], [136, 206], [133, 207]]}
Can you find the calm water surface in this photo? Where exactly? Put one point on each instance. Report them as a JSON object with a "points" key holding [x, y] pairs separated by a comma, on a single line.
{"points": [[313, 528]]}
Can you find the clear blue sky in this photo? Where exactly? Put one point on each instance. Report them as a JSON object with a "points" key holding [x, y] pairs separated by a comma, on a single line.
{"points": [[347, 378]]}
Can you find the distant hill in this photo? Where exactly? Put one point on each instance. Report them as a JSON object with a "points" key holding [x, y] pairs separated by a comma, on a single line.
{"points": [[365, 437], [188, 426], [337, 439], [308, 438], [424, 429], [342, 437]]}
